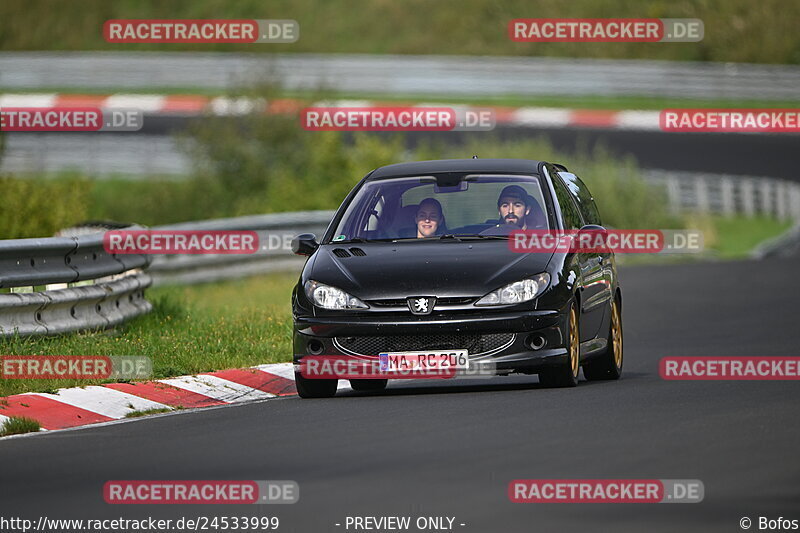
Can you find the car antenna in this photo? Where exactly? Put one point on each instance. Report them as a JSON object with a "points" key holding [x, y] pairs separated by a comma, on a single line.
{"points": [[474, 157]]}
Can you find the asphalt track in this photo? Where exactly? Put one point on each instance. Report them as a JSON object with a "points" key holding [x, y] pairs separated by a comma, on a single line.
{"points": [[450, 449]]}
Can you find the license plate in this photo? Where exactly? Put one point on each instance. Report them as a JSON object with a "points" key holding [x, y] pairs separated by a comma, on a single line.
{"points": [[424, 361]]}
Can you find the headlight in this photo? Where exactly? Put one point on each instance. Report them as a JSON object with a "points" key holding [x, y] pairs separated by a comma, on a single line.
{"points": [[329, 297], [517, 292]]}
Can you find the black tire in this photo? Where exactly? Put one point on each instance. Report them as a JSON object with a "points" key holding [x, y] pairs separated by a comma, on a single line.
{"points": [[609, 365], [315, 388], [566, 375], [368, 385]]}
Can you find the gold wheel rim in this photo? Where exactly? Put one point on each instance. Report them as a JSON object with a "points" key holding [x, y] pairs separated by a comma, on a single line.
{"points": [[616, 335], [574, 342]]}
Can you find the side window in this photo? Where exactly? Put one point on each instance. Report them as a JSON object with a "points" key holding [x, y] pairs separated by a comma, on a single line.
{"points": [[572, 218], [582, 197]]}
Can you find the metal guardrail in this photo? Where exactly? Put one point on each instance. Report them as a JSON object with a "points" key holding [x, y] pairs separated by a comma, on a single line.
{"points": [[407, 74], [88, 307], [727, 194], [64, 264], [275, 232], [33, 262]]}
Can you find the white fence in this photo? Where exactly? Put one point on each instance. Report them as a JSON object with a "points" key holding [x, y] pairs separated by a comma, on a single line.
{"points": [[730, 194]]}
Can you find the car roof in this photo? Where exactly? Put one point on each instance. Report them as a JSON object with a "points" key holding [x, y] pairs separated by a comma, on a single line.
{"points": [[420, 168]]}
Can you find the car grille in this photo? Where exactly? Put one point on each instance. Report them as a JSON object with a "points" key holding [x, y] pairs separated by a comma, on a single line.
{"points": [[401, 302], [475, 344]]}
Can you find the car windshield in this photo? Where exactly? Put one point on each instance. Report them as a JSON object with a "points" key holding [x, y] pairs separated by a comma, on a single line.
{"points": [[445, 206]]}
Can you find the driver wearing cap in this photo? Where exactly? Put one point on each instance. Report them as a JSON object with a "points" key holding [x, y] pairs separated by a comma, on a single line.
{"points": [[514, 206]]}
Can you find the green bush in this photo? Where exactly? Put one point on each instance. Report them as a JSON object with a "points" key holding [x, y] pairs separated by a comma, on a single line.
{"points": [[261, 163], [150, 201], [268, 163], [260, 169], [40, 207]]}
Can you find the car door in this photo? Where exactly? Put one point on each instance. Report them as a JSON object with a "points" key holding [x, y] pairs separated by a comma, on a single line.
{"points": [[591, 282], [586, 205]]}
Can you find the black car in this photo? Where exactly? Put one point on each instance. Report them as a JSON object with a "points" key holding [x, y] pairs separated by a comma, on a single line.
{"points": [[417, 259]]}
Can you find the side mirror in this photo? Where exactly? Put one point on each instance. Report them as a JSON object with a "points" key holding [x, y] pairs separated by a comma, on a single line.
{"points": [[594, 234], [593, 228], [305, 244]]}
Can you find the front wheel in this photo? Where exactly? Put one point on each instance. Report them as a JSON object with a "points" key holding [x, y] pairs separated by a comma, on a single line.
{"points": [[315, 388], [566, 375], [608, 365]]}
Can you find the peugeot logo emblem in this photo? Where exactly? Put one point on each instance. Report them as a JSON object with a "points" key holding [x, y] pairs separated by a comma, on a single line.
{"points": [[421, 305]]}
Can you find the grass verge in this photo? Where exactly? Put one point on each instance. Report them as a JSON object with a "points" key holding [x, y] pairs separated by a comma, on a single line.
{"points": [[194, 329], [724, 237], [17, 425], [737, 236]]}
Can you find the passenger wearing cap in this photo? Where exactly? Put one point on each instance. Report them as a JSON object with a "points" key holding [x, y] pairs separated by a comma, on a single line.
{"points": [[514, 206]]}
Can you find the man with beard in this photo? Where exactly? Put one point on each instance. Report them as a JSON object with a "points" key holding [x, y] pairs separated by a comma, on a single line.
{"points": [[513, 205]]}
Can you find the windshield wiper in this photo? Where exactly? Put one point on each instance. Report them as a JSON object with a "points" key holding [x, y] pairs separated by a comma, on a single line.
{"points": [[361, 240], [487, 237], [449, 236], [349, 241]]}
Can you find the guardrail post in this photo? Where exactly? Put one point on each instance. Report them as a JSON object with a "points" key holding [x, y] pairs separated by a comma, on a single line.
{"points": [[701, 195], [726, 192], [766, 187], [674, 194], [794, 201], [783, 200], [747, 195]]}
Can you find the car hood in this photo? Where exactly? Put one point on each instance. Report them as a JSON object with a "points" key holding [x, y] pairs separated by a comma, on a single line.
{"points": [[422, 268]]}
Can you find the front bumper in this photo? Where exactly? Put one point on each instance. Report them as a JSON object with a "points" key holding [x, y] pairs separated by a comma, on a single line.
{"points": [[502, 339]]}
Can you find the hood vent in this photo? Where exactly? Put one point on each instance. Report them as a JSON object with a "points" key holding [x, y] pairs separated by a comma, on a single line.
{"points": [[358, 251], [340, 252]]}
